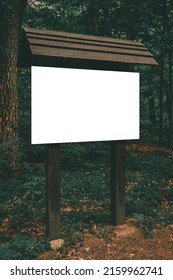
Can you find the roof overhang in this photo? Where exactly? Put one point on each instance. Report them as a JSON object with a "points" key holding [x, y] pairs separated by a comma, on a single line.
{"points": [[41, 47]]}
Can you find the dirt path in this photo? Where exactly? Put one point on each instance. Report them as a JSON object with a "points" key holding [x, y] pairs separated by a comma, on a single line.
{"points": [[128, 243]]}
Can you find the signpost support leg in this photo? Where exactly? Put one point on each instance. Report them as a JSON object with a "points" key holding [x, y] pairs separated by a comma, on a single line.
{"points": [[117, 183], [53, 223]]}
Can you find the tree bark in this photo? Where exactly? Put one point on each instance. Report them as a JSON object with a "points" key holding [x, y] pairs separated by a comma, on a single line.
{"points": [[170, 136], [162, 65], [92, 16], [11, 14]]}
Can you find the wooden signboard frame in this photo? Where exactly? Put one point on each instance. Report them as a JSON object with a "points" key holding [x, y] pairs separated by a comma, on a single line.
{"points": [[53, 190], [60, 49]]}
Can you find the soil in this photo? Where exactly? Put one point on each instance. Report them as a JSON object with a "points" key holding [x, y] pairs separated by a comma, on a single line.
{"points": [[123, 242]]}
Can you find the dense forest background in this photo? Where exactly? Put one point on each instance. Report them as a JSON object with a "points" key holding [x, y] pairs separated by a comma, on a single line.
{"points": [[148, 22], [151, 23], [86, 166]]}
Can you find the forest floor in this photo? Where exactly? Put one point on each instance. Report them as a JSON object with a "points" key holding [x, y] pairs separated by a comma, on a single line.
{"points": [[146, 234], [127, 243], [134, 240]]}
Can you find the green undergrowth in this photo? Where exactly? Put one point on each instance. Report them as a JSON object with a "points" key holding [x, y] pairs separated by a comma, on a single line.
{"points": [[85, 202]]}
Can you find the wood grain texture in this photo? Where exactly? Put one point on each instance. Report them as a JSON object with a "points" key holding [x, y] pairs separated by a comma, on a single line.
{"points": [[87, 47], [90, 55], [85, 42], [63, 45], [117, 183], [53, 223], [79, 36]]}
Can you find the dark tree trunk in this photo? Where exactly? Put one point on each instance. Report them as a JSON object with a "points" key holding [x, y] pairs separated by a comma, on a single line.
{"points": [[93, 17], [11, 14], [151, 111], [170, 132], [162, 62]]}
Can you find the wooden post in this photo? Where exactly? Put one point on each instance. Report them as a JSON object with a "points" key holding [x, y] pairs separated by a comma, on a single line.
{"points": [[117, 183], [53, 222]]}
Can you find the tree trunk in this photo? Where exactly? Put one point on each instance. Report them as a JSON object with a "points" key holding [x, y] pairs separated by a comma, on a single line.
{"points": [[93, 17], [11, 14], [162, 62], [170, 136], [151, 111]]}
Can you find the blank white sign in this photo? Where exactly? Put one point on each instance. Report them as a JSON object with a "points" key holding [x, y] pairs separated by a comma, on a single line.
{"points": [[75, 105]]}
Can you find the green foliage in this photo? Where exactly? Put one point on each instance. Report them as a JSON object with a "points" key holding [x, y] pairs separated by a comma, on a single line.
{"points": [[8, 254], [146, 223], [85, 200], [149, 177], [23, 204], [22, 249], [12, 159], [73, 155], [85, 196], [30, 203], [107, 235], [3, 212], [6, 162]]}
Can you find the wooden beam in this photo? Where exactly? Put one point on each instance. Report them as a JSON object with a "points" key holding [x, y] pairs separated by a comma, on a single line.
{"points": [[53, 222], [117, 183], [116, 49], [36, 32], [48, 51]]}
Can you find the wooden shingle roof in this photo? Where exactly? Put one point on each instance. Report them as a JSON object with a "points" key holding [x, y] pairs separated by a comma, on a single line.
{"points": [[54, 48]]}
